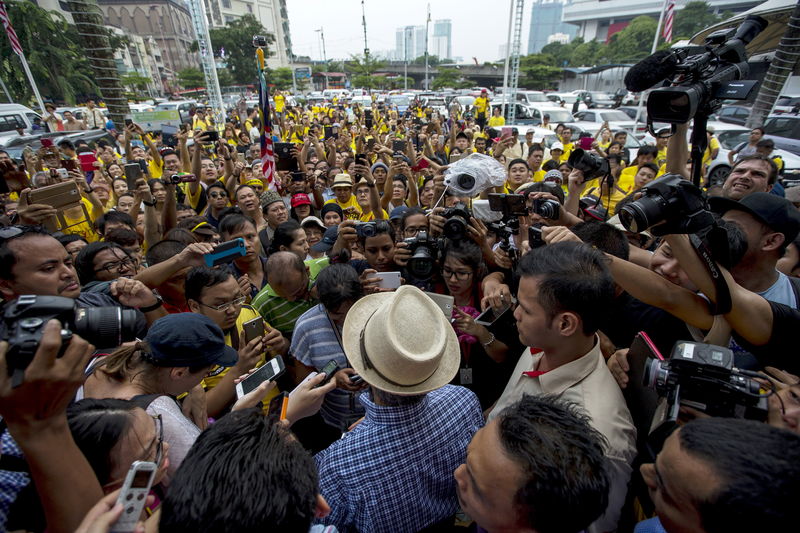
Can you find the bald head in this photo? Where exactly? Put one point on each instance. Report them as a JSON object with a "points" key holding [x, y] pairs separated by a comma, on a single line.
{"points": [[287, 275]]}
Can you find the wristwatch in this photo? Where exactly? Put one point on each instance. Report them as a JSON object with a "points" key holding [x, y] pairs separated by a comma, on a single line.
{"points": [[150, 204], [159, 303]]}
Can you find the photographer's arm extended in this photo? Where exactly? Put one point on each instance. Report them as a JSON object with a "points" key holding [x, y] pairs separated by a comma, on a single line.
{"points": [[678, 151], [750, 316]]}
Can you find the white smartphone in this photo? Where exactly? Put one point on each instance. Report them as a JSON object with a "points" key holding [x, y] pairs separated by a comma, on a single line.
{"points": [[133, 495], [444, 301], [271, 370], [389, 280]]}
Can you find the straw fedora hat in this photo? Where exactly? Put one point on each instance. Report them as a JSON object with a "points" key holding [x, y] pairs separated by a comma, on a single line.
{"points": [[400, 342]]}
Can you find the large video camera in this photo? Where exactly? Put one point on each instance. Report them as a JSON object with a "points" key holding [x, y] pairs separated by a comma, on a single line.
{"points": [[702, 76], [702, 376], [424, 252], [24, 320], [669, 205], [512, 206]]}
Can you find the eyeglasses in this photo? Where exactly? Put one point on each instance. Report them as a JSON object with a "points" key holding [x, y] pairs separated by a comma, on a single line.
{"points": [[460, 275], [224, 307], [218, 194], [412, 231], [116, 265]]}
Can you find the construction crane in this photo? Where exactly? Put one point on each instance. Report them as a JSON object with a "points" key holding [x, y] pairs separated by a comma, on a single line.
{"points": [[197, 12], [511, 69]]}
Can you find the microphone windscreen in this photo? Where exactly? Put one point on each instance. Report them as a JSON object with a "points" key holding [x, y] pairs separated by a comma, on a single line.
{"points": [[650, 70]]}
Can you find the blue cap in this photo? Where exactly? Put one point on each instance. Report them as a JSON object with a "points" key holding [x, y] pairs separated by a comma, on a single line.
{"points": [[328, 240], [188, 339], [398, 212]]}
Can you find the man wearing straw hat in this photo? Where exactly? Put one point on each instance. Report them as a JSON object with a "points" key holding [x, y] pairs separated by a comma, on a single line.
{"points": [[394, 470]]}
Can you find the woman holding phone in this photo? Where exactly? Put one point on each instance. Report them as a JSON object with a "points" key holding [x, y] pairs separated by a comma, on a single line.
{"points": [[485, 362]]}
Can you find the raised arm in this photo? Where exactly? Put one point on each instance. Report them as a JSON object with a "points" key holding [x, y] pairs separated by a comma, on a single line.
{"points": [[678, 151]]}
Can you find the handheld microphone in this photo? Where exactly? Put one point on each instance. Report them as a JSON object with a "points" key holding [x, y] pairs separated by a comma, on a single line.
{"points": [[650, 70]]}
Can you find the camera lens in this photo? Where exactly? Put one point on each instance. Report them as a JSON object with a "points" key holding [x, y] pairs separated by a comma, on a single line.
{"points": [[366, 230], [547, 209], [643, 213], [455, 228], [656, 374], [465, 181], [105, 327], [421, 263]]}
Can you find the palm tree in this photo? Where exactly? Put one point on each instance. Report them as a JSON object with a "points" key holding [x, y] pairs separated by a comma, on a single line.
{"points": [[786, 57]]}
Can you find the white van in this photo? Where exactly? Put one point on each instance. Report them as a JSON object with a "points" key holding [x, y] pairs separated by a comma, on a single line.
{"points": [[14, 116], [329, 94], [182, 106]]}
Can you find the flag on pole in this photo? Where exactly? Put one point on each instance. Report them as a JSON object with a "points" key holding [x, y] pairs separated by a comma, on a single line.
{"points": [[668, 19], [12, 35], [267, 150]]}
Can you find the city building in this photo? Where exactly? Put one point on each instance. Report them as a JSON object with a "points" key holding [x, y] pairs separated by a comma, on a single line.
{"points": [[409, 43], [167, 22], [600, 19], [142, 56], [442, 41], [546, 21], [271, 14]]}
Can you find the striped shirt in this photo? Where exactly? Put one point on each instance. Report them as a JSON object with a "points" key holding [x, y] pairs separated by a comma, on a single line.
{"points": [[314, 344], [280, 312]]}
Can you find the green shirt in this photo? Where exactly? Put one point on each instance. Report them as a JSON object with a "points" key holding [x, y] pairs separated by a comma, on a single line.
{"points": [[280, 312]]}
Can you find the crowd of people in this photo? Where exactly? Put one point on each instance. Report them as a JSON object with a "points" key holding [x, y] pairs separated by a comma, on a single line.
{"points": [[450, 365]]}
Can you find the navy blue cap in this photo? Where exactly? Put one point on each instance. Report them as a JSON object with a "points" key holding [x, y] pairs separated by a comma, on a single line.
{"points": [[328, 240], [188, 339], [398, 212]]}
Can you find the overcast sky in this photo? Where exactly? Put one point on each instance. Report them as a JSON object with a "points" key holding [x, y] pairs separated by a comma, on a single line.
{"points": [[479, 27]]}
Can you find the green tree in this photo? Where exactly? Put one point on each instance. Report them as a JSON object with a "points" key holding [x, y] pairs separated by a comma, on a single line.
{"points": [[633, 42], [432, 60], [562, 53], [539, 71], [280, 78], [586, 54], [365, 81], [191, 78], [359, 65], [51, 47], [451, 78], [694, 17], [135, 81], [225, 77], [236, 38]]}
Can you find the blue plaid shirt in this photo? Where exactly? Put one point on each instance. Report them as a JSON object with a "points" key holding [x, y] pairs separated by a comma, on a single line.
{"points": [[394, 471]]}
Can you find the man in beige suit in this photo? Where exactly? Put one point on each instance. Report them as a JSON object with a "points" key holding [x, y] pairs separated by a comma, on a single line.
{"points": [[564, 290]]}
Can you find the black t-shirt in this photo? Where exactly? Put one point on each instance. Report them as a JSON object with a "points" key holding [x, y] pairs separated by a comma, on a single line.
{"points": [[781, 349], [628, 316]]}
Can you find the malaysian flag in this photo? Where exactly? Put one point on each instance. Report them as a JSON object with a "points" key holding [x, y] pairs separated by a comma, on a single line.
{"points": [[267, 151], [669, 17], [12, 35]]}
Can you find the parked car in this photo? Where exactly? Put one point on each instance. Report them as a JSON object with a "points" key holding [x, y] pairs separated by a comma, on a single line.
{"points": [[438, 104], [784, 129], [16, 144], [592, 120], [182, 106], [631, 112], [531, 97], [13, 117], [734, 114], [787, 104], [602, 99]]}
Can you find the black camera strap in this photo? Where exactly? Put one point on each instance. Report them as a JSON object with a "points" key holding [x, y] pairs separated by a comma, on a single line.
{"points": [[702, 246]]}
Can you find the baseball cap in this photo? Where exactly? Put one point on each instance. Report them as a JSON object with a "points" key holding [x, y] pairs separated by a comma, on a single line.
{"points": [[342, 180], [188, 339], [557, 146], [300, 199], [775, 212], [269, 198], [313, 220], [398, 212], [328, 240]]}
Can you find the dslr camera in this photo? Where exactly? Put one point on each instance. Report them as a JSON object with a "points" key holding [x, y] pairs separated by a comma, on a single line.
{"points": [[592, 165], [702, 376], [670, 205], [24, 320], [366, 229], [458, 217], [546, 208], [424, 252]]}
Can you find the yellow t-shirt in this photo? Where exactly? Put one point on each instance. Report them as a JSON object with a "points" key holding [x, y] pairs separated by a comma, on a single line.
{"points": [[351, 203], [497, 121], [369, 217], [200, 124], [480, 105], [156, 170], [539, 175], [79, 225], [218, 372], [713, 144], [627, 176], [661, 157], [568, 148], [280, 103]]}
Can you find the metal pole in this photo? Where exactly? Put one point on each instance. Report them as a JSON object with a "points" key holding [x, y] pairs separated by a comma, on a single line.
{"points": [[405, 54], [5, 90], [652, 51], [32, 81], [508, 57], [427, 23]]}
